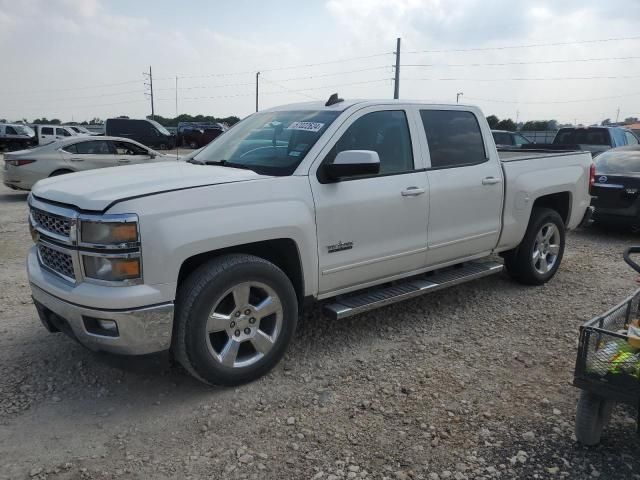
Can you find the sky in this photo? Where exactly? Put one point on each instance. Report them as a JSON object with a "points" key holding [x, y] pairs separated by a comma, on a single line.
{"points": [[79, 59]]}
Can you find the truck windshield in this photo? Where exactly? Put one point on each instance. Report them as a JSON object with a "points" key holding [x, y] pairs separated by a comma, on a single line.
{"points": [[269, 143], [160, 128], [24, 130]]}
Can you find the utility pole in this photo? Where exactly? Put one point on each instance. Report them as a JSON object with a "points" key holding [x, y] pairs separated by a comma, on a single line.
{"points": [[458, 95], [257, 79], [618, 115], [150, 85], [396, 82]]}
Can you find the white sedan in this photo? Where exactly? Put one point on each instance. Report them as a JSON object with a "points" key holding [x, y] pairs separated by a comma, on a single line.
{"points": [[22, 169]]}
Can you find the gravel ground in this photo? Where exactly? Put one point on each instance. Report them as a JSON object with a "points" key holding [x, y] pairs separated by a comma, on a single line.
{"points": [[471, 382]]}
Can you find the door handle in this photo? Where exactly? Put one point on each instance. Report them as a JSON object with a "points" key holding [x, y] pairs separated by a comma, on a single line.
{"points": [[490, 181], [77, 159], [412, 192], [124, 161]]}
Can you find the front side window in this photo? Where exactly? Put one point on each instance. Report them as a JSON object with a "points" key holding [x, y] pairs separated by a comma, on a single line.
{"points": [[95, 147], [520, 140], [454, 138], [62, 132], [269, 143], [385, 132], [10, 130], [126, 148], [631, 138]]}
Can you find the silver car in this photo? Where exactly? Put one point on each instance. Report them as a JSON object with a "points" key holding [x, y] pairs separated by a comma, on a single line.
{"points": [[22, 169]]}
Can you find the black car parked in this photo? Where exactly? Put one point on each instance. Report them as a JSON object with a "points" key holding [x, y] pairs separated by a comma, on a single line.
{"points": [[147, 132], [617, 187]]}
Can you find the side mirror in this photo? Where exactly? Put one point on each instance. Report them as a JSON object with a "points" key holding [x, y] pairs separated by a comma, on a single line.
{"points": [[351, 163], [152, 155]]}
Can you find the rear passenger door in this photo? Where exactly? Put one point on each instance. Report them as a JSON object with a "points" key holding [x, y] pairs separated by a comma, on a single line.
{"points": [[90, 154], [466, 186], [47, 135]]}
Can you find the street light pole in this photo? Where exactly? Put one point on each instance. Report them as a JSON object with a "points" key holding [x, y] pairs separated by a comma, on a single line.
{"points": [[458, 95]]}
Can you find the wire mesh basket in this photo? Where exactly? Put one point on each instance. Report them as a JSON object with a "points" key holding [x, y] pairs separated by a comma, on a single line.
{"points": [[608, 363]]}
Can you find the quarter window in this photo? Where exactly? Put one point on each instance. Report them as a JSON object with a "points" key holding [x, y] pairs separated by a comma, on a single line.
{"points": [[70, 148], [454, 138], [385, 132], [631, 138]]}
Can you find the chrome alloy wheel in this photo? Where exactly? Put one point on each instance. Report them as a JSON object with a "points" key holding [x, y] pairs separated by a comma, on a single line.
{"points": [[244, 324], [546, 248]]}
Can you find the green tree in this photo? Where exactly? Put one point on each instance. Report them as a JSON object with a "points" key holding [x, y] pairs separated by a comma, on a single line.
{"points": [[493, 121], [506, 124]]}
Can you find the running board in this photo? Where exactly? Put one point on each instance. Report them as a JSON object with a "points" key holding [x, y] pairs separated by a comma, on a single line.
{"points": [[353, 304]]}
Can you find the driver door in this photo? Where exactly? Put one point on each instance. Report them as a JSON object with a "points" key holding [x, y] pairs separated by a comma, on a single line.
{"points": [[373, 227], [128, 153]]}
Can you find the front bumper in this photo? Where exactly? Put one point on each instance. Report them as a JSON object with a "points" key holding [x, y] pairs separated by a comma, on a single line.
{"points": [[139, 331]]}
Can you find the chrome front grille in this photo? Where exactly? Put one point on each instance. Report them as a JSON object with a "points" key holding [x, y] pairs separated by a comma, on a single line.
{"points": [[59, 262], [51, 223]]}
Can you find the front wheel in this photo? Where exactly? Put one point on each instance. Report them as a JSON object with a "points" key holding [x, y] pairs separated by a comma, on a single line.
{"points": [[235, 317], [537, 259]]}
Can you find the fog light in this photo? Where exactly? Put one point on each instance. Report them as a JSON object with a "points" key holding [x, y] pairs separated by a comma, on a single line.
{"points": [[109, 325], [101, 326]]}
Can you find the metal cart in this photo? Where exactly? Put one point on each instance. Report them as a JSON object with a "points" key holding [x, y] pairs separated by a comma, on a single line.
{"points": [[608, 367]]}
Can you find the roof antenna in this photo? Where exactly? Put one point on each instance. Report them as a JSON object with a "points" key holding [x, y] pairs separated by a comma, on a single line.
{"points": [[333, 99]]}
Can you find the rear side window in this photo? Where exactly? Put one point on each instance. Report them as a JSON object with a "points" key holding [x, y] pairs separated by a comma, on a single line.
{"points": [[582, 136], [10, 131], [126, 148], [95, 147], [454, 138], [47, 131]]}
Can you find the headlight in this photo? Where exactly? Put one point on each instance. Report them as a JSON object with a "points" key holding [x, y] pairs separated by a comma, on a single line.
{"points": [[111, 269], [106, 233]]}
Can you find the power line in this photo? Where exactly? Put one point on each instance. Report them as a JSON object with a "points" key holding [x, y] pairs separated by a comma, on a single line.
{"points": [[29, 92], [540, 62], [531, 45], [289, 67], [287, 89], [40, 107], [114, 94], [586, 100], [525, 79]]}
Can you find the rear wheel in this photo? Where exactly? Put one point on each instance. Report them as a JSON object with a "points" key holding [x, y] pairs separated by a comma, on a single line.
{"points": [[592, 416], [537, 259], [235, 317]]}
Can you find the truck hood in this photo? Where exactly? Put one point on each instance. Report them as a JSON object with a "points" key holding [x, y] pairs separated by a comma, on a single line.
{"points": [[96, 189]]}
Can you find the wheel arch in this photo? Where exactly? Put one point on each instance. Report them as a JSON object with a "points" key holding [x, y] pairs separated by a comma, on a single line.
{"points": [[282, 252], [560, 202]]}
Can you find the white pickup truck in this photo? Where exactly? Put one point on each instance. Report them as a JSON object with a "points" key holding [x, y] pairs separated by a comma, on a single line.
{"points": [[358, 204]]}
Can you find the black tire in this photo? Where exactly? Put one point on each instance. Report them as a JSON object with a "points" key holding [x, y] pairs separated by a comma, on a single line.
{"points": [[202, 291], [60, 172], [520, 262], [592, 416]]}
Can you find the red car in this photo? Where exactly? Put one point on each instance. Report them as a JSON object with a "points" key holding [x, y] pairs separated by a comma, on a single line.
{"points": [[199, 137]]}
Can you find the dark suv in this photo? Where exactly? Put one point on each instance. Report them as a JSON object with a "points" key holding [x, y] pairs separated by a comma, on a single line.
{"points": [[147, 132]]}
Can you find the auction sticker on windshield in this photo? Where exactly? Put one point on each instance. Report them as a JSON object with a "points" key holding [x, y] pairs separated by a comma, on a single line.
{"points": [[306, 126]]}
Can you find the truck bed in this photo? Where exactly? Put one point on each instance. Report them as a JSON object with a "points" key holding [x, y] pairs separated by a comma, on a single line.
{"points": [[517, 155]]}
